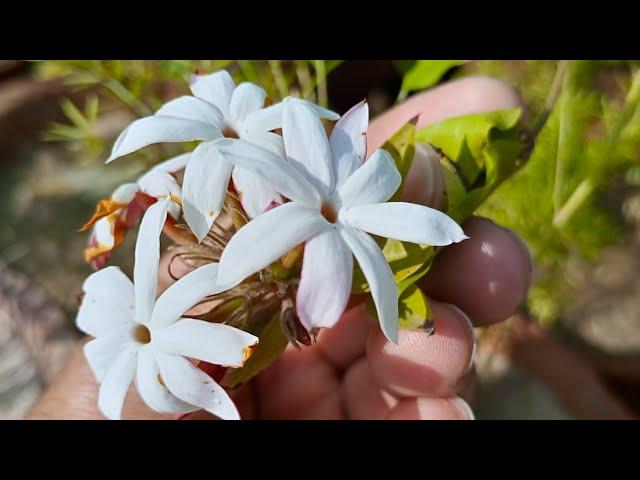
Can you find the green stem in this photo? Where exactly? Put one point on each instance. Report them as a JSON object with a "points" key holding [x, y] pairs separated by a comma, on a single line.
{"points": [[559, 83], [573, 204], [304, 79], [321, 75], [587, 186], [278, 76]]}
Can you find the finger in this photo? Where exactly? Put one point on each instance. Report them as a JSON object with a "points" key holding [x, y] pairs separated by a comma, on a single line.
{"points": [[454, 408], [460, 97], [171, 267], [74, 396], [420, 364], [363, 398], [346, 341], [487, 275], [300, 384]]}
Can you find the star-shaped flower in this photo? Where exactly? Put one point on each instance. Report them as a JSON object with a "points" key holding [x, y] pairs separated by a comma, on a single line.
{"points": [[218, 109], [139, 336], [337, 200]]}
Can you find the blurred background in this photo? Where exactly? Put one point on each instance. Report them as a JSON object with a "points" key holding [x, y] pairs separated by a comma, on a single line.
{"points": [[571, 351]]}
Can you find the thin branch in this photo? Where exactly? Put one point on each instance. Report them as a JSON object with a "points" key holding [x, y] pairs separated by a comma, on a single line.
{"points": [[552, 97], [278, 76], [321, 76]]}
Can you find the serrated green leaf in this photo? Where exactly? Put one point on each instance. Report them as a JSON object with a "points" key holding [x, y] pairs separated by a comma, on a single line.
{"points": [[480, 150], [272, 343]]}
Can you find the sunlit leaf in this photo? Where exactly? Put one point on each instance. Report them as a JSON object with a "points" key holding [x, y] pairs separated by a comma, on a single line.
{"points": [[480, 151], [272, 343], [426, 73], [414, 311]]}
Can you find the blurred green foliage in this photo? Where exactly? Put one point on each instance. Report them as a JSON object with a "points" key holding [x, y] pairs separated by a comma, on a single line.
{"points": [[566, 202], [138, 88], [421, 74]]}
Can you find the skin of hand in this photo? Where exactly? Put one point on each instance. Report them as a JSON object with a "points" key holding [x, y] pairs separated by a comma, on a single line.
{"points": [[353, 371]]}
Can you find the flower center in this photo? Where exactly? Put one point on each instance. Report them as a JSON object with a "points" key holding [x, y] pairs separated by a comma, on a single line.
{"points": [[329, 212], [229, 132], [141, 334]]}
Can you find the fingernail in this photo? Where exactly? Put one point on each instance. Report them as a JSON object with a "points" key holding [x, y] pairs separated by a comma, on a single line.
{"points": [[463, 407], [467, 321]]}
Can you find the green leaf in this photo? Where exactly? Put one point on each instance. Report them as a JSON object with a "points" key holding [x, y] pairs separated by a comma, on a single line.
{"points": [[408, 262], [426, 73], [414, 311], [91, 108], [480, 151], [272, 343], [75, 115], [402, 147]]}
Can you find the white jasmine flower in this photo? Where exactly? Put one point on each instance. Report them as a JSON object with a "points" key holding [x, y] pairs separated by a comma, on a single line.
{"points": [[139, 336], [113, 216], [218, 108], [337, 200]]}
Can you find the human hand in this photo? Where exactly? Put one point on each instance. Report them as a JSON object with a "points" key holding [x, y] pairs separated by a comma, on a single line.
{"points": [[353, 371]]}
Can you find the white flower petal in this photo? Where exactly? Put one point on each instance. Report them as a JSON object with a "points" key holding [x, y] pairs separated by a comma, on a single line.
{"points": [[147, 258], [103, 233], [216, 88], [109, 285], [255, 193], [204, 188], [349, 142], [270, 118], [152, 391], [273, 168], [102, 352], [379, 277], [125, 193], [192, 108], [307, 145], [265, 239], [404, 221], [267, 140], [159, 184], [155, 129], [247, 98], [375, 181], [184, 294], [212, 342], [115, 383], [325, 282], [108, 302], [192, 385], [174, 164]]}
